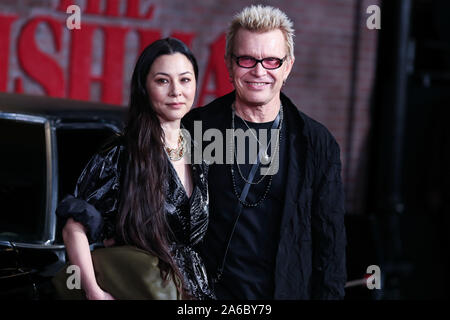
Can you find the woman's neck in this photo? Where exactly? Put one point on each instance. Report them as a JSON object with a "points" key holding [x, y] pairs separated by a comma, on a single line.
{"points": [[171, 132]]}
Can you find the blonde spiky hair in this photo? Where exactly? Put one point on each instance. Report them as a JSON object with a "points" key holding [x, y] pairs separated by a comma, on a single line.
{"points": [[260, 18]]}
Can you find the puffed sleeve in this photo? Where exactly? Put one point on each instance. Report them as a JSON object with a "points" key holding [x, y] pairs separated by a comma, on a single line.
{"points": [[95, 201]]}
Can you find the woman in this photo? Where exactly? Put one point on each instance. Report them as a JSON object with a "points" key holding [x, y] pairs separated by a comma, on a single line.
{"points": [[140, 190]]}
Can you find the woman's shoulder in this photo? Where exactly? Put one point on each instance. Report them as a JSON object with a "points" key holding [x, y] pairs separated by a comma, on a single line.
{"points": [[108, 158], [113, 146]]}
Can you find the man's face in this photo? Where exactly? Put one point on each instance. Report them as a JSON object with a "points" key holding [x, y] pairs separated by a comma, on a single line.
{"points": [[258, 86]]}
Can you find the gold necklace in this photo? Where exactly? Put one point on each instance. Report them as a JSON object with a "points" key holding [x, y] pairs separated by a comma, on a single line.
{"points": [[177, 153]]}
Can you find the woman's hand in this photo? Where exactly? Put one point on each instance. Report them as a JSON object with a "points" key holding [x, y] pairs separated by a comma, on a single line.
{"points": [[99, 294]]}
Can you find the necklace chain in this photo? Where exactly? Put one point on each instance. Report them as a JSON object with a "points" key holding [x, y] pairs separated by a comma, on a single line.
{"points": [[259, 143], [177, 153], [233, 151], [275, 151]]}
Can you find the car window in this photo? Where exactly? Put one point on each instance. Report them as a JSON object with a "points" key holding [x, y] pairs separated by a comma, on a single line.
{"points": [[23, 175], [75, 148]]}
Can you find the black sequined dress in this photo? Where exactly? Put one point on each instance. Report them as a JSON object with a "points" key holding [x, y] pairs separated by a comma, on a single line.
{"points": [[96, 200]]}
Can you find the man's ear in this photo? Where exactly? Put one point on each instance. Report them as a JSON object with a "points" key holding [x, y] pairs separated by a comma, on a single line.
{"points": [[289, 65]]}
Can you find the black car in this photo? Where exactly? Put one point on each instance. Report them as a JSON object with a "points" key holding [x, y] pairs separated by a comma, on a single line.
{"points": [[45, 143]]}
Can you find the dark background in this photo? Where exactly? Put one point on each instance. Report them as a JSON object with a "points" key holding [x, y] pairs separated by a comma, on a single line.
{"points": [[405, 227]]}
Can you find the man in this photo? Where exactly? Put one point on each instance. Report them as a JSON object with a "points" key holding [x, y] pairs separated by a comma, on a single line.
{"points": [[279, 235]]}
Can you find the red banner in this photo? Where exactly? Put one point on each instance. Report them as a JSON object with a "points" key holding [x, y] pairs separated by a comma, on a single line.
{"points": [[76, 79]]}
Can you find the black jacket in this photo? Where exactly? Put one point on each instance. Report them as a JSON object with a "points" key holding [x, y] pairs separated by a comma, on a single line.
{"points": [[311, 252]]}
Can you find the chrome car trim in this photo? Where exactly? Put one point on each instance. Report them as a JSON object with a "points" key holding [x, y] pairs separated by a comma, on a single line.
{"points": [[13, 244], [22, 117], [52, 187]]}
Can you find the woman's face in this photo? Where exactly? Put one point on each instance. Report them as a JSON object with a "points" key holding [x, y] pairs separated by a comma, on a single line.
{"points": [[171, 86]]}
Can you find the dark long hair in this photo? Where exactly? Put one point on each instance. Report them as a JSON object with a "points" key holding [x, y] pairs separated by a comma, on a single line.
{"points": [[142, 220]]}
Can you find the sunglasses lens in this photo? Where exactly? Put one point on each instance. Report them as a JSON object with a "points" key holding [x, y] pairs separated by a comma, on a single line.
{"points": [[250, 62], [271, 63], [246, 62]]}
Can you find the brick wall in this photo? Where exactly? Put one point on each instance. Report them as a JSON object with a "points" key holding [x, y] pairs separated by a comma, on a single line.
{"points": [[320, 83]]}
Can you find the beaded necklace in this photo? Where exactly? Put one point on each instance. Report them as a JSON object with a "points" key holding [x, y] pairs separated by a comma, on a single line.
{"points": [[233, 151]]}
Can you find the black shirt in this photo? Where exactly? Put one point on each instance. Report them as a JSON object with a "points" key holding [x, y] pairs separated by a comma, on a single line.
{"points": [[310, 260], [249, 266]]}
